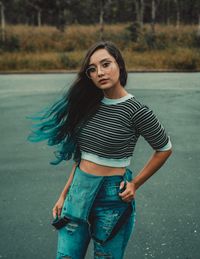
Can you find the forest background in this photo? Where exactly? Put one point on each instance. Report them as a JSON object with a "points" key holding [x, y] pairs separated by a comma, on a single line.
{"points": [[44, 35]]}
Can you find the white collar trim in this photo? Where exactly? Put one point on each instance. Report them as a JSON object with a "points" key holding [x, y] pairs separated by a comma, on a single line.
{"points": [[106, 100]]}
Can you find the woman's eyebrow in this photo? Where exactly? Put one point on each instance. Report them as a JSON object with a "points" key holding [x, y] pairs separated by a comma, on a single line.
{"points": [[101, 61]]}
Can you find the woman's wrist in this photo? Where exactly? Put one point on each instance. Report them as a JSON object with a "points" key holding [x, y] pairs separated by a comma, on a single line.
{"points": [[64, 194], [136, 184]]}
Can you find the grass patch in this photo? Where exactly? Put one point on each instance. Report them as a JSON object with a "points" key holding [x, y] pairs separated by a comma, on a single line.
{"points": [[46, 48], [177, 59]]}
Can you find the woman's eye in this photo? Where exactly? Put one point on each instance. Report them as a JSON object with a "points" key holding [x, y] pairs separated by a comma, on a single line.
{"points": [[91, 69], [106, 64]]}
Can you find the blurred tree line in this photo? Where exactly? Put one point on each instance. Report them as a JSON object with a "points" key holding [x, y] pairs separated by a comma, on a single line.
{"points": [[129, 23], [61, 13]]}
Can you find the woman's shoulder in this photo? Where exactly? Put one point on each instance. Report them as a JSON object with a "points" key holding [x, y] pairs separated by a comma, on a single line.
{"points": [[135, 103]]}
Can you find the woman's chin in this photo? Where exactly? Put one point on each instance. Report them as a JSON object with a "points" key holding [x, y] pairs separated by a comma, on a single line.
{"points": [[105, 86]]}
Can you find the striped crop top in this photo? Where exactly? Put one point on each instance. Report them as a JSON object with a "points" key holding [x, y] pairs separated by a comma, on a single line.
{"points": [[109, 137]]}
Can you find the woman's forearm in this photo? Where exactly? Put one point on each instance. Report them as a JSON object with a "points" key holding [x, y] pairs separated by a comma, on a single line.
{"points": [[155, 162], [66, 188]]}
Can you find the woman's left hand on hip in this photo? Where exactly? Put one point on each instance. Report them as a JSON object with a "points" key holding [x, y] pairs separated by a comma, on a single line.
{"points": [[129, 193]]}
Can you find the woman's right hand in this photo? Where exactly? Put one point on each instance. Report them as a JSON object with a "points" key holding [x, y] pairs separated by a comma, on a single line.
{"points": [[58, 207]]}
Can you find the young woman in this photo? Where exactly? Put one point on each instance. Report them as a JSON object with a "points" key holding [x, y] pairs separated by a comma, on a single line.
{"points": [[98, 123]]}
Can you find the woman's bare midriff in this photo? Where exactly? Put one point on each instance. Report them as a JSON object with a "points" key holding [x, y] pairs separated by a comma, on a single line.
{"points": [[100, 170]]}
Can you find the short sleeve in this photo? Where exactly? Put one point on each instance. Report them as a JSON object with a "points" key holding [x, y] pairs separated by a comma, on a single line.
{"points": [[147, 125]]}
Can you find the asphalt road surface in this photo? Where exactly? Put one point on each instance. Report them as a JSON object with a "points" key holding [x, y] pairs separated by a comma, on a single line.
{"points": [[168, 205]]}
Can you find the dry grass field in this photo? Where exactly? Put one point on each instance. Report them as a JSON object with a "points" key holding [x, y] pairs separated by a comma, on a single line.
{"points": [[48, 49]]}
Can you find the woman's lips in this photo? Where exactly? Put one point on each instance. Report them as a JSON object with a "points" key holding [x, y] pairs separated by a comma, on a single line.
{"points": [[103, 81]]}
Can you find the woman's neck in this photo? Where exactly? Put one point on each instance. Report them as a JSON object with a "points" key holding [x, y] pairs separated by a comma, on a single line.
{"points": [[115, 92]]}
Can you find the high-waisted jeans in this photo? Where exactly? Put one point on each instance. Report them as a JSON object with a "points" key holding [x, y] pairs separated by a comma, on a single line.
{"points": [[74, 238]]}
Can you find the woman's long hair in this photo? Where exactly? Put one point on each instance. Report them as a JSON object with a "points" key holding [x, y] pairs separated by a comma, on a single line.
{"points": [[61, 123]]}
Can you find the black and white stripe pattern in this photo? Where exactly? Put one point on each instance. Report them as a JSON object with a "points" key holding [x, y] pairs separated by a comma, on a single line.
{"points": [[114, 130]]}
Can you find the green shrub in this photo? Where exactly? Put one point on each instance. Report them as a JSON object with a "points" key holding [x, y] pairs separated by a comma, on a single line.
{"points": [[11, 44], [134, 30], [68, 62], [195, 40], [157, 41], [30, 47]]}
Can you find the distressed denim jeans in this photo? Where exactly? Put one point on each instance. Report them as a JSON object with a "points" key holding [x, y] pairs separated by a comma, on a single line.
{"points": [[74, 238]]}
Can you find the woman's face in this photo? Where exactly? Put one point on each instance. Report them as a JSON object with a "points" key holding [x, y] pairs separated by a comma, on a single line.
{"points": [[103, 69]]}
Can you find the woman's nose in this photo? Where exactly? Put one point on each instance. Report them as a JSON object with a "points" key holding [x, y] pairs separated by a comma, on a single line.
{"points": [[100, 71]]}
